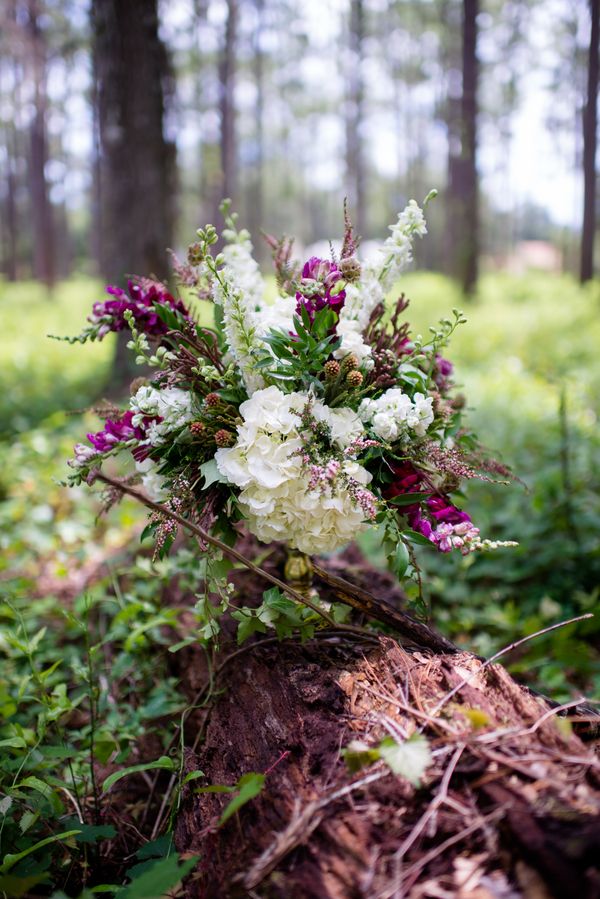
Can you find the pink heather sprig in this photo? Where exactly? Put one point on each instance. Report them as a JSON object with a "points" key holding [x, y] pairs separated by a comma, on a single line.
{"points": [[360, 445]]}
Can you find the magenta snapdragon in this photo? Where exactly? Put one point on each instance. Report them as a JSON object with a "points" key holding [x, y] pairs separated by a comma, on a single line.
{"points": [[139, 299], [321, 277]]}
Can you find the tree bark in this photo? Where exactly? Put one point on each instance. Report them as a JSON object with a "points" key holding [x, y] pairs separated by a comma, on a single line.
{"points": [[355, 102], [463, 186], [137, 161], [41, 208], [227, 182], [510, 800], [256, 189], [590, 143]]}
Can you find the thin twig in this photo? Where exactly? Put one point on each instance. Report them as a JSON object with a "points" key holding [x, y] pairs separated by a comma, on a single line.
{"points": [[214, 541], [418, 866], [465, 681]]}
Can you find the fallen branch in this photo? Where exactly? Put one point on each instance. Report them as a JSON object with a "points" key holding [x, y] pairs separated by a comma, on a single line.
{"points": [[346, 592]]}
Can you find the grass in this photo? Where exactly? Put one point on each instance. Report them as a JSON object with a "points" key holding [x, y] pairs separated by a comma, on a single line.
{"points": [[39, 376]]}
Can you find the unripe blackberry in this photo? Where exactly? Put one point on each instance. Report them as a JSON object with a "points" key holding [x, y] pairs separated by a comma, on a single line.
{"points": [[212, 399], [350, 268], [195, 254], [224, 438], [350, 362], [354, 378], [197, 427], [331, 369]]}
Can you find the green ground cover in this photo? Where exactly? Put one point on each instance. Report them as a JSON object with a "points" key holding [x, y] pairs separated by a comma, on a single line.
{"points": [[527, 359]]}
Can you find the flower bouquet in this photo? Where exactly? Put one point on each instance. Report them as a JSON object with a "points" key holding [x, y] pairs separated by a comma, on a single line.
{"points": [[308, 412]]}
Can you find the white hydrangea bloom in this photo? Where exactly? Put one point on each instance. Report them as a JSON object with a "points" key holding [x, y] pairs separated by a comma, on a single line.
{"points": [[394, 412], [152, 482], [275, 494], [171, 404]]}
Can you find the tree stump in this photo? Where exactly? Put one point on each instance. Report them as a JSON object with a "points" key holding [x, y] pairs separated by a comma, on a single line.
{"points": [[509, 806]]}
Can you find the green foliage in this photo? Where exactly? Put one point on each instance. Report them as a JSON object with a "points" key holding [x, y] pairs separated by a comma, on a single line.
{"points": [[248, 787], [39, 376], [529, 364], [528, 360]]}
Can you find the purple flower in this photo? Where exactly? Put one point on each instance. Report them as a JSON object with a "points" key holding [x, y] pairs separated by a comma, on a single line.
{"points": [[324, 275], [139, 299], [442, 372], [117, 431], [443, 511]]}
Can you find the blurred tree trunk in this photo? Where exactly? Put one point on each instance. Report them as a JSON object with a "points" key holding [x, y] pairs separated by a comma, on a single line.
{"points": [[463, 188], [590, 142], [256, 191], [227, 181], [10, 226], [41, 209], [355, 103], [137, 162]]}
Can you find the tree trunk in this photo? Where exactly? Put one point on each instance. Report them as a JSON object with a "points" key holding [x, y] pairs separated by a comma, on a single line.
{"points": [[41, 209], [510, 802], [463, 188], [227, 182], [590, 142], [256, 190], [137, 162], [10, 216], [355, 163]]}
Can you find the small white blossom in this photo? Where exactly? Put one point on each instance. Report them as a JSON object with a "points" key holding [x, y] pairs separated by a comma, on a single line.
{"points": [[171, 404], [394, 412]]}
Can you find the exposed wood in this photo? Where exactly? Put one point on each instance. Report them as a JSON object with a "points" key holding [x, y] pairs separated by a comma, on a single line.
{"points": [[508, 802]]}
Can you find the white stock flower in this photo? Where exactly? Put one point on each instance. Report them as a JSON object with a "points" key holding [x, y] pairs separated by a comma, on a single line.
{"points": [[171, 404], [393, 413], [265, 463], [397, 249]]}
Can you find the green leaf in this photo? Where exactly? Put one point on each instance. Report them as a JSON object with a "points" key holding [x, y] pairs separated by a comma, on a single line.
{"points": [[409, 759], [12, 858], [399, 560], [156, 848], [91, 833], [13, 743], [249, 624], [416, 537], [211, 474], [358, 755], [193, 775], [409, 499], [11, 885], [34, 783], [249, 785], [166, 874], [163, 762]]}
